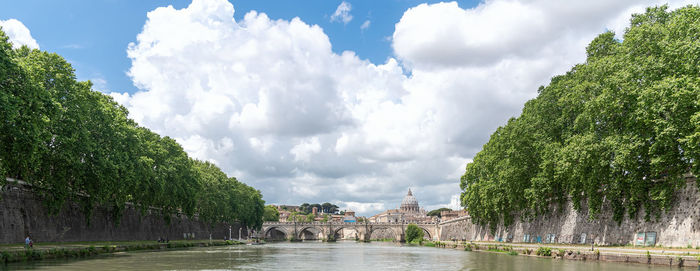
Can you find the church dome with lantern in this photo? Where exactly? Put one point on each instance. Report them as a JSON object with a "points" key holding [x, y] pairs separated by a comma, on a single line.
{"points": [[409, 204]]}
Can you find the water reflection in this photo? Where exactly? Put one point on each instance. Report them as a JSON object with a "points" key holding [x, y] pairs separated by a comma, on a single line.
{"points": [[321, 256]]}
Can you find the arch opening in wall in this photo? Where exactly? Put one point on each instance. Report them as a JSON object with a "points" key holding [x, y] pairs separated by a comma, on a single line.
{"points": [[346, 233], [309, 233], [426, 234], [382, 233], [275, 234]]}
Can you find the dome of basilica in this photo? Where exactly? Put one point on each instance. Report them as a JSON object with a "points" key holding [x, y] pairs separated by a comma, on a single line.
{"points": [[409, 203]]}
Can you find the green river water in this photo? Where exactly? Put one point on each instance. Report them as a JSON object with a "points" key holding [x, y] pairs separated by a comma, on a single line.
{"points": [[321, 256]]}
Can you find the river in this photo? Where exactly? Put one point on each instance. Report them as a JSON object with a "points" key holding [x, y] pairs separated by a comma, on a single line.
{"points": [[321, 256]]}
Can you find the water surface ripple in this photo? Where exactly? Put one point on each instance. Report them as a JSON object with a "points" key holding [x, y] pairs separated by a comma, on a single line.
{"points": [[322, 256]]}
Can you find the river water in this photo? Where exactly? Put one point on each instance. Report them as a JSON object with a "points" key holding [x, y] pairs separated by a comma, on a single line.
{"points": [[321, 256]]}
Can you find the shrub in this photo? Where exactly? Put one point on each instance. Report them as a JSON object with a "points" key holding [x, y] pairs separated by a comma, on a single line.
{"points": [[413, 232], [544, 251]]}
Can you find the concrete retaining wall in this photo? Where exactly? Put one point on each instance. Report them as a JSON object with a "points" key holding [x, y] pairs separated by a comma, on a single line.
{"points": [[21, 213], [678, 227]]}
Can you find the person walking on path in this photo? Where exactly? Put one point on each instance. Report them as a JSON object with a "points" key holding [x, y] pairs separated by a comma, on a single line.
{"points": [[28, 242]]}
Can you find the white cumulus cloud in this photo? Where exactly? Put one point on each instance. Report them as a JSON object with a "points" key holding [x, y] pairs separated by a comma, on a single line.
{"points": [[18, 33], [306, 148], [272, 104]]}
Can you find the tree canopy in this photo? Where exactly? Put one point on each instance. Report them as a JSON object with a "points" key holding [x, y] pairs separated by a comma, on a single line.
{"points": [[619, 130], [271, 213], [74, 144], [414, 233], [326, 207], [436, 212]]}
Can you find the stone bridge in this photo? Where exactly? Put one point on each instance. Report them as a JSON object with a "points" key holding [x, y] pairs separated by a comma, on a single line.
{"points": [[331, 230]]}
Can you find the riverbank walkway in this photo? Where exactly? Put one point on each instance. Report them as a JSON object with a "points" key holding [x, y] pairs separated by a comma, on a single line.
{"points": [[639, 250], [78, 245], [679, 257]]}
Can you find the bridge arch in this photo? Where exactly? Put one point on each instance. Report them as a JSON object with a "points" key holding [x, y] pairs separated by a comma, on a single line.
{"points": [[316, 231], [269, 232], [396, 235], [336, 231], [426, 232]]}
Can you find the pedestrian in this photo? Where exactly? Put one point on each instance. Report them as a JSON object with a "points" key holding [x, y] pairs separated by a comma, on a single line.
{"points": [[27, 242]]}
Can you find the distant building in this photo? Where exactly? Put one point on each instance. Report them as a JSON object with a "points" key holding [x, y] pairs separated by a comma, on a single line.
{"points": [[349, 216], [286, 210], [449, 215], [284, 215], [409, 212]]}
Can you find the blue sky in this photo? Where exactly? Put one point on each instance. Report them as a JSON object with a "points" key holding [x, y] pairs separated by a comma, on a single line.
{"points": [[93, 35], [277, 103]]}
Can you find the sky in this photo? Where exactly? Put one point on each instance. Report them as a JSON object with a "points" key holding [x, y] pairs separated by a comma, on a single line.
{"points": [[348, 102]]}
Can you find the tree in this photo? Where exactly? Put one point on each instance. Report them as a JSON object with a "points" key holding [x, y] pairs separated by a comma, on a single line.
{"points": [[297, 216], [271, 213], [414, 233], [74, 144], [619, 130], [305, 208], [310, 218], [436, 212]]}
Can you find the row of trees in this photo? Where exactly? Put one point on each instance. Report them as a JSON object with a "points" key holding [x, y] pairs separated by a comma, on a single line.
{"points": [[78, 145], [437, 212], [301, 217], [619, 130], [327, 208]]}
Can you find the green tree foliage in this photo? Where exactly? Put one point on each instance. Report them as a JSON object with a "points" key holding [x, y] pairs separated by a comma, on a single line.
{"points": [[301, 217], [413, 233], [310, 218], [271, 213], [436, 212], [619, 130], [297, 217], [78, 145], [327, 208]]}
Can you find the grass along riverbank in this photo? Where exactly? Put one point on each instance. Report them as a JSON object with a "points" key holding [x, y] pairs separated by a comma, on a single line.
{"points": [[17, 252], [677, 257]]}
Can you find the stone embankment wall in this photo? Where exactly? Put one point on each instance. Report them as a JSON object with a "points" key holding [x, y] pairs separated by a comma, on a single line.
{"points": [[22, 212], [677, 227]]}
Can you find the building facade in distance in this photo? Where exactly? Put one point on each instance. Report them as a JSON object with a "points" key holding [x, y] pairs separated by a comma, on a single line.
{"points": [[409, 212]]}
